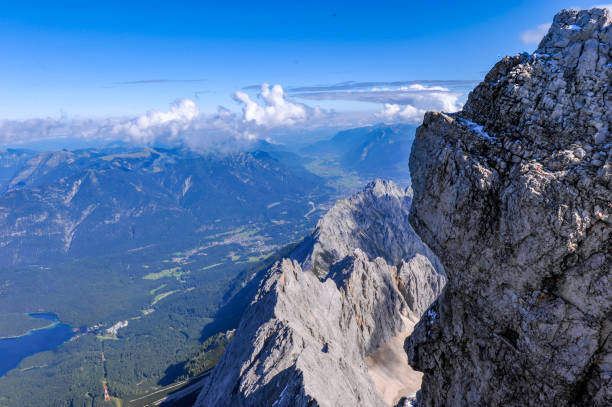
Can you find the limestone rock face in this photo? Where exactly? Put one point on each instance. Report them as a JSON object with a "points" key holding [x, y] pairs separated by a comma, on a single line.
{"points": [[514, 194], [420, 283], [376, 221], [322, 332], [554, 98]]}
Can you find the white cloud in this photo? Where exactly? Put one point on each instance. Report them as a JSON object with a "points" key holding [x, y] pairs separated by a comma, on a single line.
{"points": [[352, 85], [276, 110], [420, 96], [408, 113], [182, 123], [534, 36], [414, 101], [271, 112], [417, 86], [156, 124]]}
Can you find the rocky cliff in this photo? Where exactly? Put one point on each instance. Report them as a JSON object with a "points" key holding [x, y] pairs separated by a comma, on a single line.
{"points": [[327, 325], [514, 194]]}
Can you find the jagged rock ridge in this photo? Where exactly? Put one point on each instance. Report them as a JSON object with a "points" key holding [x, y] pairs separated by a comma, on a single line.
{"points": [[323, 320], [514, 194]]}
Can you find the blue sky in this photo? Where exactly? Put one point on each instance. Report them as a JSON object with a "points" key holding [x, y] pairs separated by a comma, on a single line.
{"points": [[85, 60]]}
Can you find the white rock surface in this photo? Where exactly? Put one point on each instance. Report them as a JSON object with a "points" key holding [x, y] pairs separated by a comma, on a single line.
{"points": [[327, 328]]}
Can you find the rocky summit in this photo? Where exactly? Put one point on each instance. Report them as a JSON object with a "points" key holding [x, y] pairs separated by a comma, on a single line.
{"points": [[327, 325], [514, 195]]}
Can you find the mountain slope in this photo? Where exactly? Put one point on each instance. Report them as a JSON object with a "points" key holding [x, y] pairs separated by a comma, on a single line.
{"points": [[373, 151], [66, 204], [324, 319], [514, 194], [383, 152], [11, 160]]}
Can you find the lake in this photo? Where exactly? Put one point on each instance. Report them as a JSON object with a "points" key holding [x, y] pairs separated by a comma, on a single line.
{"points": [[14, 350]]}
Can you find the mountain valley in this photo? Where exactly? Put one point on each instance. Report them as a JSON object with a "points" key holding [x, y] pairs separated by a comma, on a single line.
{"points": [[285, 253], [157, 238]]}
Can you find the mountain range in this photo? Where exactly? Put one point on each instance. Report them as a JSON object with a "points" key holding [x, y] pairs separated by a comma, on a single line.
{"points": [[73, 204], [480, 278], [167, 239], [373, 151]]}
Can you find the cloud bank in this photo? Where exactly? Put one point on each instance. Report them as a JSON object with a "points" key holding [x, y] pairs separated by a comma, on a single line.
{"points": [[348, 85], [430, 97], [182, 122], [156, 124], [277, 109], [403, 103], [271, 109], [406, 113]]}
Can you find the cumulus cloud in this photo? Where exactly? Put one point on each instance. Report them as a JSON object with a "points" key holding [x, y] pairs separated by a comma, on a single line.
{"points": [[400, 103], [181, 123], [152, 126], [276, 110], [408, 113], [534, 36], [158, 124], [270, 111]]}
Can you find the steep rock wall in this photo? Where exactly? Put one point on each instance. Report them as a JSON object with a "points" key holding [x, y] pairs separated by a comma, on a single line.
{"points": [[514, 194]]}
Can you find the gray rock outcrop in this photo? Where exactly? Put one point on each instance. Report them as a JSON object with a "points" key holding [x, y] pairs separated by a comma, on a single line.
{"points": [[376, 221], [514, 194], [327, 325]]}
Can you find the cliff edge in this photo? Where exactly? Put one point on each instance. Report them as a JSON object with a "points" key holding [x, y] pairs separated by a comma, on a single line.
{"points": [[514, 195]]}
